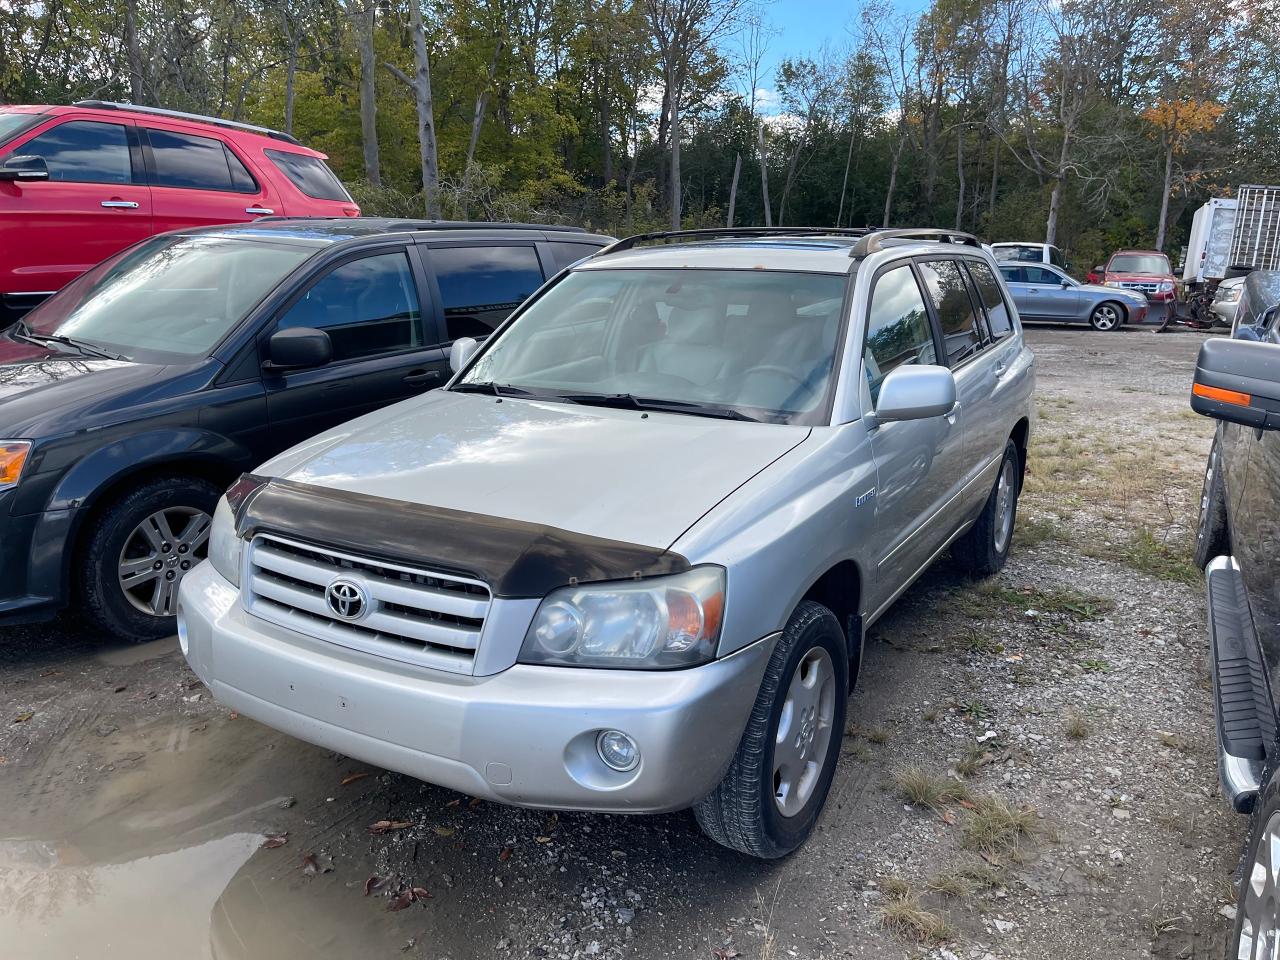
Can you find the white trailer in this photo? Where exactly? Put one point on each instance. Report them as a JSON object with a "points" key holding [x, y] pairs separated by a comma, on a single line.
{"points": [[1209, 246], [1255, 240]]}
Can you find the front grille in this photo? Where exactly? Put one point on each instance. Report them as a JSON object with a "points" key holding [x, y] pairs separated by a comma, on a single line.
{"points": [[413, 615], [1141, 286]]}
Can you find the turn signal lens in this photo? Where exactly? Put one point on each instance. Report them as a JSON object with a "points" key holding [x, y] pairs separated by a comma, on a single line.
{"points": [[13, 456], [1221, 395]]}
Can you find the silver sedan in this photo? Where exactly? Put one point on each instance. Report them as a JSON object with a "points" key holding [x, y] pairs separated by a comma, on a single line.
{"points": [[1042, 292]]}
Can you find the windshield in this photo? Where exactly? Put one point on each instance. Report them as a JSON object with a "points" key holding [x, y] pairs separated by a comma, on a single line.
{"points": [[761, 344], [1018, 251], [169, 299], [1153, 264], [12, 124]]}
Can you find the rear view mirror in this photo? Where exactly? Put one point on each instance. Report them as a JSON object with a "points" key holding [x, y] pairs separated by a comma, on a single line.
{"points": [[1238, 381], [24, 168], [297, 348], [916, 393], [461, 352]]}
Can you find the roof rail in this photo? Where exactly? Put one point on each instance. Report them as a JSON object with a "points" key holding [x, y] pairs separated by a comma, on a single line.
{"points": [[714, 233], [400, 223], [874, 240], [180, 115]]}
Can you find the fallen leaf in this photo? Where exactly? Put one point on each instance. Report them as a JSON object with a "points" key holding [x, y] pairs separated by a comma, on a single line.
{"points": [[353, 778], [444, 831], [310, 865], [453, 803], [968, 804], [505, 854], [948, 818], [278, 840], [374, 883], [386, 826], [400, 902], [541, 839], [475, 802], [24, 717], [420, 893]]}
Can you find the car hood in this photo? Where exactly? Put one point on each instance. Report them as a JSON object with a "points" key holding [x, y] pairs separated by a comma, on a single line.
{"points": [[615, 474], [1098, 288], [1138, 277]]}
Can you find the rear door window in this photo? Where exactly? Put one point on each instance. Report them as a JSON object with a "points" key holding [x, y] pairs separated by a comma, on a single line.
{"points": [[196, 163], [961, 328], [369, 307], [309, 174], [1042, 276], [999, 321], [481, 285], [83, 151], [898, 328]]}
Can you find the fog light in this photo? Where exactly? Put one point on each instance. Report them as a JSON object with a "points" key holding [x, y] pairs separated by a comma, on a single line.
{"points": [[617, 750]]}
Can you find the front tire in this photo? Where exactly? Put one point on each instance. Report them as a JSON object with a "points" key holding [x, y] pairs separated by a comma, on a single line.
{"points": [[1257, 928], [983, 550], [1212, 539], [769, 800], [137, 552], [1106, 317]]}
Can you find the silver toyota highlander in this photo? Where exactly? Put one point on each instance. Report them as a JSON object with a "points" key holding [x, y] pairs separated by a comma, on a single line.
{"points": [[625, 561]]}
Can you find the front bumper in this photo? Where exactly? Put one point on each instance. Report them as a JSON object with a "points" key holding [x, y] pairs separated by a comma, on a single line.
{"points": [[524, 736], [32, 554]]}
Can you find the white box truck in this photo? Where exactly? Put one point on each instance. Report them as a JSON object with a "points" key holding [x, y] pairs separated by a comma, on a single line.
{"points": [[1209, 246]]}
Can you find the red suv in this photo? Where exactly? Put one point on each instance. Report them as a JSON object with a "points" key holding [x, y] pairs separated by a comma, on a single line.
{"points": [[1142, 271], [79, 183]]}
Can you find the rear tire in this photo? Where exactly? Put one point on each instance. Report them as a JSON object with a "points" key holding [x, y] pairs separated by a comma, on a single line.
{"points": [[1106, 317], [769, 800], [983, 550], [1212, 539], [1255, 904], [137, 551]]}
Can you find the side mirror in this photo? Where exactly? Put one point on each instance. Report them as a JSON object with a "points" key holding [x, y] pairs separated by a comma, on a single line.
{"points": [[1066, 284], [916, 393], [1238, 381], [461, 352], [24, 168], [297, 348]]}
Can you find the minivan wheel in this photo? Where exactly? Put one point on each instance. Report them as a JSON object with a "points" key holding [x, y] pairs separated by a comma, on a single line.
{"points": [[983, 550], [1106, 316], [138, 551], [769, 800], [1211, 528]]}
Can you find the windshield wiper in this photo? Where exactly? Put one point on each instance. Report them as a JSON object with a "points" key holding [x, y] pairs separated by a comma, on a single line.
{"points": [[632, 402], [488, 386], [83, 347]]}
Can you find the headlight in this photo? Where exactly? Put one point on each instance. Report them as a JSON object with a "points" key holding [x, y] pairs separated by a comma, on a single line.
{"points": [[13, 456], [1229, 294], [1166, 286], [224, 545], [656, 624], [1114, 283]]}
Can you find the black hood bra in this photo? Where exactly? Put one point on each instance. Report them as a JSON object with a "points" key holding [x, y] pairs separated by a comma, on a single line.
{"points": [[515, 558]]}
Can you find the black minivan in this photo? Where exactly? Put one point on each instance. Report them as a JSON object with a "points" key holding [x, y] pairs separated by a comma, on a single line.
{"points": [[130, 399]]}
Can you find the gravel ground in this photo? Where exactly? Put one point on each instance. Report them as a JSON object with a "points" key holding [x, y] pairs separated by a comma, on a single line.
{"points": [[1028, 770]]}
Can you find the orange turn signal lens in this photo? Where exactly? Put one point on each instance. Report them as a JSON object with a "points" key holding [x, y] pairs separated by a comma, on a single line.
{"points": [[13, 455], [1221, 395]]}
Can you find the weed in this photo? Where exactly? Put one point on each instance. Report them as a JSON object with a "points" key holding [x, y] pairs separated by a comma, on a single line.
{"points": [[1032, 532], [995, 827], [971, 762], [877, 735], [952, 883], [1095, 666], [895, 888], [909, 920], [1076, 727], [976, 711], [920, 788]]}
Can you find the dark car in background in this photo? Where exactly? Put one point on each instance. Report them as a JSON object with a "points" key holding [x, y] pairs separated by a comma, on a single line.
{"points": [[1237, 382], [129, 400], [79, 183]]}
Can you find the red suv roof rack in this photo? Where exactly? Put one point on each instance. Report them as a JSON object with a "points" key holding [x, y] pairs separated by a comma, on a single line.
{"points": [[179, 115]]}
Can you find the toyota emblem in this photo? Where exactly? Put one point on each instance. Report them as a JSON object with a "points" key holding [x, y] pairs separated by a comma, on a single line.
{"points": [[346, 599]]}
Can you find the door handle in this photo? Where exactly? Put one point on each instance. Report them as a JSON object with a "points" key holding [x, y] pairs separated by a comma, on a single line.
{"points": [[120, 204], [416, 378], [259, 211]]}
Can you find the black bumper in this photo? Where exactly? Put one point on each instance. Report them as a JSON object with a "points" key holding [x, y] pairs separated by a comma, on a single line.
{"points": [[33, 564]]}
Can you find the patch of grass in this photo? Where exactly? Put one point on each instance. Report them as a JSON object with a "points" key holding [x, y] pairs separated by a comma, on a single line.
{"points": [[909, 920], [877, 735], [973, 761], [1090, 665], [974, 640], [1075, 726], [975, 711], [895, 888], [951, 883], [988, 600], [1165, 559], [997, 828], [1032, 532], [920, 788]]}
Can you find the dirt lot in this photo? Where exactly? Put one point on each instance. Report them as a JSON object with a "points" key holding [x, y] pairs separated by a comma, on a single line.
{"points": [[1028, 770]]}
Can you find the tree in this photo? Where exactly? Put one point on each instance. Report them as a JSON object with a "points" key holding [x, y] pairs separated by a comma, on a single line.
{"points": [[420, 84]]}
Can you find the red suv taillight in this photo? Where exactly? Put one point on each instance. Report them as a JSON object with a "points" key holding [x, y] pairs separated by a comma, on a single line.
{"points": [[351, 211]]}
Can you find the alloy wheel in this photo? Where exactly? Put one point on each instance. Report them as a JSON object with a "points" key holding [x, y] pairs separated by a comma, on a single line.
{"points": [[804, 731], [1106, 318], [158, 553], [1259, 926], [1006, 488]]}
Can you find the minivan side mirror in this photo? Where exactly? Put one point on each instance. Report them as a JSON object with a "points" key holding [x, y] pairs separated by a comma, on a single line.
{"points": [[24, 168], [461, 351], [916, 393], [1238, 381], [297, 348]]}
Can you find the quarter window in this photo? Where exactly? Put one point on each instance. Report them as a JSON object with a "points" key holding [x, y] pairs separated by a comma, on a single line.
{"points": [[961, 330], [898, 328], [568, 253], [480, 286], [199, 163], [368, 307], [310, 175], [992, 299], [82, 151]]}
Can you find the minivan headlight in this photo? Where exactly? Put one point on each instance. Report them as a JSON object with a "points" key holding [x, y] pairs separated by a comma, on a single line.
{"points": [[13, 457], [658, 624], [224, 545]]}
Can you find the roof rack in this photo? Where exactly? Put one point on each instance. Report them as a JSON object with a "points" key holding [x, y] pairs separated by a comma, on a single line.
{"points": [[874, 240], [715, 233], [400, 223], [179, 115]]}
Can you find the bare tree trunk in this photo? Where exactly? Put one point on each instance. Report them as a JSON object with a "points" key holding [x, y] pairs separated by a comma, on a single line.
{"points": [[1055, 198], [788, 183], [733, 189], [631, 172], [369, 96], [290, 80], [848, 162], [1164, 197], [893, 178], [960, 177], [995, 177], [764, 176], [134, 50], [482, 101], [674, 105], [420, 84]]}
